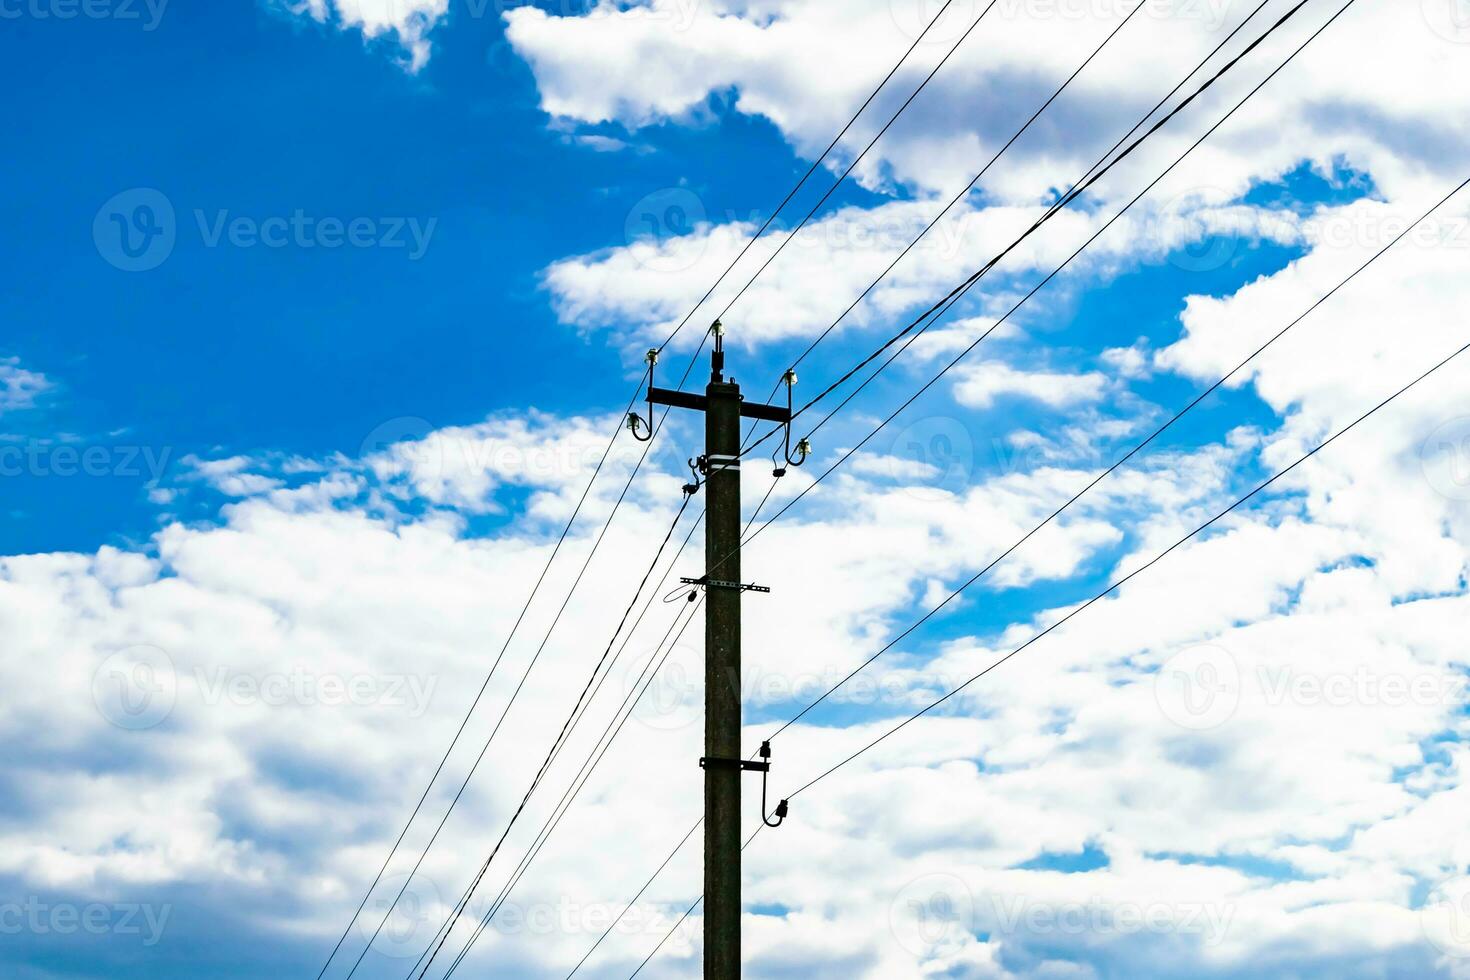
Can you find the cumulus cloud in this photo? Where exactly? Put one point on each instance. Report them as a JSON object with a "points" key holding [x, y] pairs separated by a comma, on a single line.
{"points": [[20, 387], [408, 21]]}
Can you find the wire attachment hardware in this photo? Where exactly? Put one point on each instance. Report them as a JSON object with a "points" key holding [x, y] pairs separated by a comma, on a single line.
{"points": [[691, 488], [636, 421], [803, 446], [782, 807], [708, 583], [750, 765]]}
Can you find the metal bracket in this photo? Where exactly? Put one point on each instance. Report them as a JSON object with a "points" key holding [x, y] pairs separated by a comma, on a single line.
{"points": [[709, 583], [744, 765], [750, 766]]}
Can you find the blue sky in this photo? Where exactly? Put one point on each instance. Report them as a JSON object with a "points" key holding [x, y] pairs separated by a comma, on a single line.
{"points": [[271, 458]]}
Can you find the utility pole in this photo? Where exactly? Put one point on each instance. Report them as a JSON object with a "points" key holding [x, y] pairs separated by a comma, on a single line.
{"points": [[723, 408]]}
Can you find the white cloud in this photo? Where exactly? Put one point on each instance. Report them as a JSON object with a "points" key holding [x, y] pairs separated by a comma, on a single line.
{"points": [[19, 387], [409, 21], [979, 386]]}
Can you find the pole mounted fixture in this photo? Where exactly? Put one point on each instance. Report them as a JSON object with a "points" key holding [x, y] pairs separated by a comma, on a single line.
{"points": [[635, 421], [723, 407], [803, 447]]}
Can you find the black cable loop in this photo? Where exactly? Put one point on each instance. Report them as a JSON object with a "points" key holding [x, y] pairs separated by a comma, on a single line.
{"points": [[635, 421]]}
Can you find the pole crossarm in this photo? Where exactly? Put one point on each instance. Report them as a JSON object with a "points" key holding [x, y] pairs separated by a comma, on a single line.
{"points": [[699, 403]]}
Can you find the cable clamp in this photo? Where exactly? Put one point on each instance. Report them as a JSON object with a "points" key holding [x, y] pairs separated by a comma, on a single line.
{"points": [[708, 583], [712, 464], [750, 765], [745, 765]]}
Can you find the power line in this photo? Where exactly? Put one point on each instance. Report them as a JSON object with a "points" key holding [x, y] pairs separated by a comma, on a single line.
{"points": [[1149, 564], [811, 170], [1124, 459], [565, 726], [576, 788], [746, 445], [590, 765], [939, 308], [515, 694], [859, 159], [1103, 594], [806, 176], [978, 177], [1136, 449], [686, 319], [627, 637], [686, 914], [535, 588], [1038, 287]]}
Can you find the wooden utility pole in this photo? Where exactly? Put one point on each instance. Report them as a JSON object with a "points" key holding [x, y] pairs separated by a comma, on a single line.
{"points": [[723, 409]]}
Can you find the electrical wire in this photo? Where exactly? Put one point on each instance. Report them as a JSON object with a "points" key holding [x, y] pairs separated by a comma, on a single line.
{"points": [[686, 915], [948, 301], [565, 726], [806, 176], [418, 807], [1154, 436], [1133, 574], [1038, 287], [590, 765], [859, 158], [1225, 379]]}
